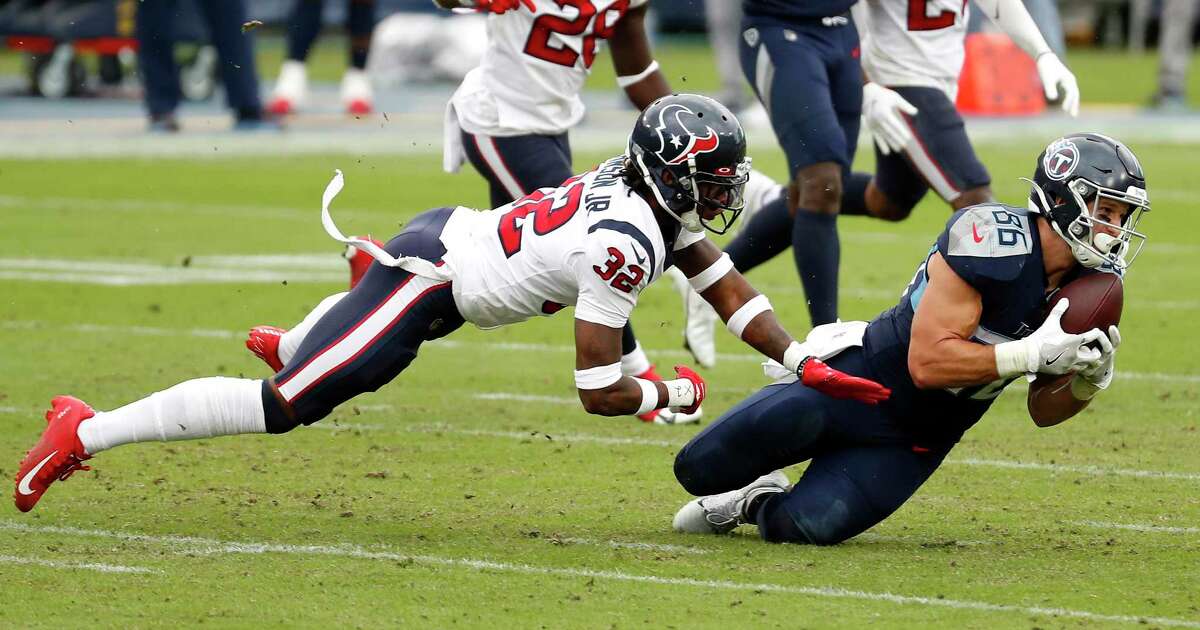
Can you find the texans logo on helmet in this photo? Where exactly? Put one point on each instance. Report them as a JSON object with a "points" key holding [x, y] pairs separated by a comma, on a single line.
{"points": [[1061, 158], [678, 138]]}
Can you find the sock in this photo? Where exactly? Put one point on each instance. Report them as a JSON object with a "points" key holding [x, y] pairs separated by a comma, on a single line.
{"points": [[768, 233], [360, 21], [854, 194], [291, 340], [817, 251], [635, 362], [303, 26], [195, 409]]}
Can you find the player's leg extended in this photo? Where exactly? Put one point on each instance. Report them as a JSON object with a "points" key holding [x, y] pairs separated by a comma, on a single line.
{"points": [[518, 165], [356, 92], [367, 337], [845, 492]]}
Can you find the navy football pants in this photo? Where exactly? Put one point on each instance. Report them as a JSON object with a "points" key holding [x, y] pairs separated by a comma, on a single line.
{"points": [[864, 466], [369, 336]]}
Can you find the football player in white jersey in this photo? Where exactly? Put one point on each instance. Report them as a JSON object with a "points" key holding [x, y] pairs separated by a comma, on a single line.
{"points": [[511, 115], [595, 242], [912, 55]]}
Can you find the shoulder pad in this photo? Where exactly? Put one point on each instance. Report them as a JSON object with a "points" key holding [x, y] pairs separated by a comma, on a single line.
{"points": [[989, 231]]}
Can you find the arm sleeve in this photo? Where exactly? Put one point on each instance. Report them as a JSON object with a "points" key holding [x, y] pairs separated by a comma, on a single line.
{"points": [[1013, 18], [602, 301]]}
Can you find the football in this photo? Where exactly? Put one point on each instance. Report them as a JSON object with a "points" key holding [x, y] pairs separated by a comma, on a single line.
{"points": [[1096, 300]]}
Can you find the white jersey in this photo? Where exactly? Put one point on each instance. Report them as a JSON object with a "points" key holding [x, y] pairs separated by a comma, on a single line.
{"points": [[591, 243], [535, 66], [915, 43]]}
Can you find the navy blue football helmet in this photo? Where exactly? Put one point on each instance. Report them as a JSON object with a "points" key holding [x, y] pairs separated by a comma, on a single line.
{"points": [[1072, 174], [683, 141]]}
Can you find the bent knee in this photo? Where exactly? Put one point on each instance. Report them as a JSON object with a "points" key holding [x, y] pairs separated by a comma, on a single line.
{"points": [[692, 474], [820, 188]]}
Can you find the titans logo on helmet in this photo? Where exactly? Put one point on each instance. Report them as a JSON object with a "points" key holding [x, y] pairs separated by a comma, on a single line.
{"points": [[681, 135], [1061, 157]]}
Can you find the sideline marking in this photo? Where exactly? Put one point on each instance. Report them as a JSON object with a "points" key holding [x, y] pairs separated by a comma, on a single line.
{"points": [[206, 545]]}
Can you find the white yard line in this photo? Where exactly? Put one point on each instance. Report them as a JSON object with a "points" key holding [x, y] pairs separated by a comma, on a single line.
{"points": [[451, 344], [301, 268], [553, 400], [75, 566], [186, 544], [1136, 527]]}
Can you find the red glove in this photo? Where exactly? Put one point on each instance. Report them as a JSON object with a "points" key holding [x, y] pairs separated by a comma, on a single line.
{"points": [[837, 384], [698, 386], [501, 6]]}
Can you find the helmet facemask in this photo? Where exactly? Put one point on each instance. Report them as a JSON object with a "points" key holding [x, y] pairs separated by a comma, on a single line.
{"points": [[1076, 221], [686, 203]]}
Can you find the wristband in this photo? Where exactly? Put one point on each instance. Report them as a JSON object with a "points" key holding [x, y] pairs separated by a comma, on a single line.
{"points": [[746, 313], [681, 392], [794, 357], [626, 81], [649, 396], [598, 377], [1012, 358], [715, 271]]}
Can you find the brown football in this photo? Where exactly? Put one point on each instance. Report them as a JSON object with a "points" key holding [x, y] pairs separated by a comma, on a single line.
{"points": [[1095, 302]]}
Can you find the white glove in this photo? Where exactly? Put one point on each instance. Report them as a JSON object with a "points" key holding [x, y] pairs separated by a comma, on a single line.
{"points": [[1053, 73], [1050, 350], [1090, 381], [882, 110]]}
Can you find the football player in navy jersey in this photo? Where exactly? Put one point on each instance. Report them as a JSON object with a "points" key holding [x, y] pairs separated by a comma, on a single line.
{"points": [[802, 58], [972, 320]]}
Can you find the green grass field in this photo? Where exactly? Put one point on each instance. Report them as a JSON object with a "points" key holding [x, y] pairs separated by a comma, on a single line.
{"points": [[443, 500]]}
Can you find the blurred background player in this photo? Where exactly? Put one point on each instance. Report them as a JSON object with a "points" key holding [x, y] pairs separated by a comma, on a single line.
{"points": [[723, 18], [1175, 53], [802, 58], [972, 320], [235, 51], [303, 27], [911, 63], [510, 116]]}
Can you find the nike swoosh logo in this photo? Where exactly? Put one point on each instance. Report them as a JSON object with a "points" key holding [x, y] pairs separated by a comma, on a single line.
{"points": [[1057, 357], [641, 260], [23, 487], [975, 234]]}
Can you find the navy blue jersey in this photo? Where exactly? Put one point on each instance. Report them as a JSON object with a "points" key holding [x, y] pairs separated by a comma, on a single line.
{"points": [[996, 250], [796, 9]]}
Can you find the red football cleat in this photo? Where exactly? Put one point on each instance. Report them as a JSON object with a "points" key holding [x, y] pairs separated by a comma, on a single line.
{"points": [[263, 341], [280, 106], [359, 261], [57, 455], [359, 107]]}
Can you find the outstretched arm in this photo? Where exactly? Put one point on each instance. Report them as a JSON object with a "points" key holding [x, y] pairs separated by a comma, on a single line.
{"points": [[748, 315], [637, 71], [1013, 18]]}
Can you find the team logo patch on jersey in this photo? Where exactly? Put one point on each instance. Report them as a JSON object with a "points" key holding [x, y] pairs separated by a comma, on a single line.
{"points": [[1061, 158], [751, 37], [682, 134]]}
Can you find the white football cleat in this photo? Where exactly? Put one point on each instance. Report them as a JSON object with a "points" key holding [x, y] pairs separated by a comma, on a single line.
{"points": [[721, 513], [666, 416], [291, 90], [357, 96], [760, 190]]}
